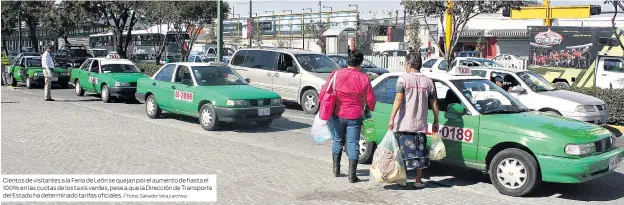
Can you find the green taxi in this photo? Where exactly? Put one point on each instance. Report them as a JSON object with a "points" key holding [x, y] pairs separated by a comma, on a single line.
{"points": [[28, 70], [485, 128], [109, 77], [211, 91]]}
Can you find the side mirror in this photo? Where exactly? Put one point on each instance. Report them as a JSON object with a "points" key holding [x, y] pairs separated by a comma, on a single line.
{"points": [[456, 108], [248, 80], [142, 70], [518, 89], [292, 70]]}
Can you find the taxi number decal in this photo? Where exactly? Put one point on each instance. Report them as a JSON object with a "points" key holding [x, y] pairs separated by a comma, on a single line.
{"points": [[453, 133], [93, 80], [181, 95]]}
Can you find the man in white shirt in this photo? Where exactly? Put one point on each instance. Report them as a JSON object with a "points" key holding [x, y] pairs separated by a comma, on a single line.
{"points": [[48, 71]]}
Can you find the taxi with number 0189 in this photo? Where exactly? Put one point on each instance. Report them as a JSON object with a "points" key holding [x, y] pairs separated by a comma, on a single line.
{"points": [[211, 91], [109, 77], [483, 127]]}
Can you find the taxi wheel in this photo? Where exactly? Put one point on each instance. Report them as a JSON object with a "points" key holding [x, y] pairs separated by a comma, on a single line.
{"points": [[105, 94], [208, 118], [562, 85], [29, 83], [151, 107], [514, 172], [78, 88], [366, 150], [264, 123], [310, 101]]}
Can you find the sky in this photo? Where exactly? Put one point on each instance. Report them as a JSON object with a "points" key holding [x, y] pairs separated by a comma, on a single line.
{"points": [[381, 7]]}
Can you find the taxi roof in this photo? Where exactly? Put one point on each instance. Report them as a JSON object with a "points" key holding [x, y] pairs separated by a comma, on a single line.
{"points": [[190, 64], [511, 70], [107, 61], [438, 76]]}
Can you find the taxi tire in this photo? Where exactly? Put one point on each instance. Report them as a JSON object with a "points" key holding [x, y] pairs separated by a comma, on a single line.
{"points": [[562, 85], [367, 157], [78, 89], [106, 97], [157, 110], [314, 93], [533, 180], [264, 123], [29, 83], [215, 122]]}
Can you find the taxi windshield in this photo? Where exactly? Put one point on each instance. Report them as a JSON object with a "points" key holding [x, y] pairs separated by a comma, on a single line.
{"points": [[215, 76], [480, 62], [317, 63], [33, 62], [119, 68], [487, 97], [536, 82]]}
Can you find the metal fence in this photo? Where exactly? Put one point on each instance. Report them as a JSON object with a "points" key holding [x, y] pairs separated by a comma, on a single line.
{"points": [[392, 63]]}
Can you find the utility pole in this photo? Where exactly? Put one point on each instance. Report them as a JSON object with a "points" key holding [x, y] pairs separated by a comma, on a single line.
{"points": [[250, 25], [19, 28], [220, 31]]}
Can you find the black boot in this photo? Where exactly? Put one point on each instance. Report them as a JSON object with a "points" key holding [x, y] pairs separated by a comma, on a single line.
{"points": [[352, 171], [337, 157]]}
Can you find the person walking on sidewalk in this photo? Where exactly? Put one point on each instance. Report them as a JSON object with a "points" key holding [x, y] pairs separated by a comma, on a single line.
{"points": [[353, 92], [413, 93], [48, 72]]}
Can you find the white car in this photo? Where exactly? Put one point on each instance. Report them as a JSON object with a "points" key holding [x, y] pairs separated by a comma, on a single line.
{"points": [[537, 93], [439, 64], [511, 61]]}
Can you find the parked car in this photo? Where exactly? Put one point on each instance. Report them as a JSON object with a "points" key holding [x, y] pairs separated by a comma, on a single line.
{"points": [[71, 56], [367, 67], [401, 53], [439, 64], [295, 75], [484, 128], [511, 61], [202, 58], [28, 69], [98, 52], [24, 54], [537, 93], [111, 78], [212, 92]]}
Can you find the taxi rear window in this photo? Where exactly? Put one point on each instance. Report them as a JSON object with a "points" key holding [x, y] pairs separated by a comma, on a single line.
{"points": [[216, 76]]}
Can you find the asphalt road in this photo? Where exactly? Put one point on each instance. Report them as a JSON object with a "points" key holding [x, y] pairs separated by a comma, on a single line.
{"points": [[275, 165]]}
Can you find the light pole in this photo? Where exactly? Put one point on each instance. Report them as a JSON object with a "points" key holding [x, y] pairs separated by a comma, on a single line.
{"points": [[250, 25], [220, 31], [303, 30], [357, 22]]}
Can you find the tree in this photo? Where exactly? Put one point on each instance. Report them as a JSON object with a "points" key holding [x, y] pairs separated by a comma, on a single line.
{"points": [[617, 4], [120, 16], [63, 18], [480, 46], [156, 15], [257, 33], [413, 32], [318, 29], [8, 19], [365, 36], [461, 11], [31, 12], [190, 18]]}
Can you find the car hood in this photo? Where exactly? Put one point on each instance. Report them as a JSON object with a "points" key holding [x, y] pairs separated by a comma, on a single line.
{"points": [[56, 70], [237, 92], [574, 97], [125, 77], [546, 126], [375, 70]]}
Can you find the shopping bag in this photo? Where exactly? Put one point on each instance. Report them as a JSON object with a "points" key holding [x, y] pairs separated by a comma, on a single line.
{"points": [[388, 166], [437, 151], [320, 130], [328, 100]]}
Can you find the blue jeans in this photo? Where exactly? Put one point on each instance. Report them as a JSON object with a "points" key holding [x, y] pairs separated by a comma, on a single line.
{"points": [[345, 130]]}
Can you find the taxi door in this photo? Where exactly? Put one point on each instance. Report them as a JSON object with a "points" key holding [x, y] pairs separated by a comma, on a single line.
{"points": [[161, 86], [91, 77], [82, 73], [460, 132], [183, 90]]}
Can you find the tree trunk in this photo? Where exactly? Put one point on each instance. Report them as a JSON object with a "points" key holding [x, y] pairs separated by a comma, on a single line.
{"points": [[65, 39], [32, 34], [118, 43]]}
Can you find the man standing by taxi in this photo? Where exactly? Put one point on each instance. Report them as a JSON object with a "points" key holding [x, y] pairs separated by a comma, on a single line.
{"points": [[48, 72], [413, 93]]}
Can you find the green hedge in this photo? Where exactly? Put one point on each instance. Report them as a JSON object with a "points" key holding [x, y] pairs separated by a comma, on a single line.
{"points": [[150, 68], [613, 98]]}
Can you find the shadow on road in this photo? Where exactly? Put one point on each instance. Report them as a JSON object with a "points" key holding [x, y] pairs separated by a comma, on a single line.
{"points": [[85, 100], [280, 124], [292, 105]]}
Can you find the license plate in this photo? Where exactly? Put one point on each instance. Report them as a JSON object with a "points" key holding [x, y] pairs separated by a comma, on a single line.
{"points": [[264, 112], [613, 162], [54, 78]]}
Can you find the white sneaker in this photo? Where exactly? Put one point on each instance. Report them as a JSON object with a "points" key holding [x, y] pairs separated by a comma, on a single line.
{"points": [[419, 185]]}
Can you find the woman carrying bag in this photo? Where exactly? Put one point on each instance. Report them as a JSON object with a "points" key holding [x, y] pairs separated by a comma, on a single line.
{"points": [[344, 110]]}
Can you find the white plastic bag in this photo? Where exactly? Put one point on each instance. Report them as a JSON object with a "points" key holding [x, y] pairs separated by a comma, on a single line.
{"points": [[388, 166], [437, 151], [320, 130]]}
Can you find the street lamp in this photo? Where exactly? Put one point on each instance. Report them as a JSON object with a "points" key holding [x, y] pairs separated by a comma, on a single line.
{"points": [[330, 8], [287, 10]]}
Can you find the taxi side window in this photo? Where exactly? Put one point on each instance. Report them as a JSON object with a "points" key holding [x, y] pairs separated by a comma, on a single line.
{"points": [[183, 76], [443, 65], [386, 90], [95, 66], [86, 65], [166, 73], [446, 96], [480, 73], [429, 63]]}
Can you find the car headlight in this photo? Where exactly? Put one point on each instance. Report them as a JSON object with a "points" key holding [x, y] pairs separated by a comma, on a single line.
{"points": [[585, 108], [580, 149], [371, 73], [277, 101], [122, 84], [236, 102], [37, 74]]}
